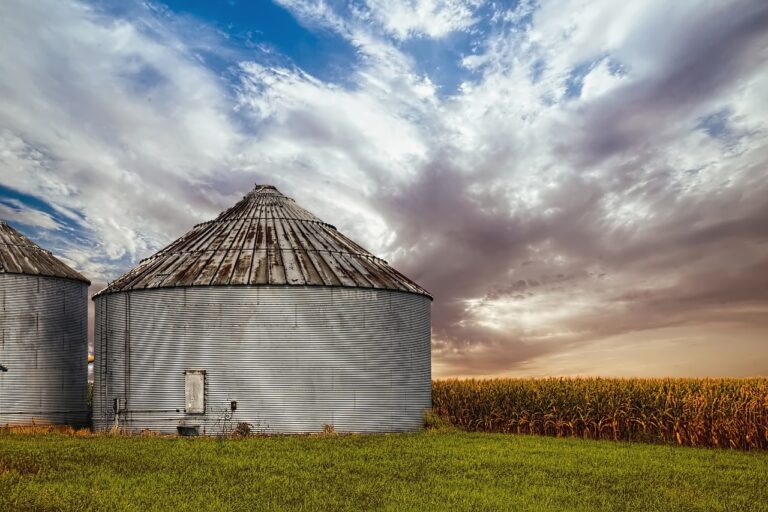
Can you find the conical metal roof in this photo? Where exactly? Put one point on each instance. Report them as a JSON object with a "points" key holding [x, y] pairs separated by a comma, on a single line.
{"points": [[265, 239], [20, 255]]}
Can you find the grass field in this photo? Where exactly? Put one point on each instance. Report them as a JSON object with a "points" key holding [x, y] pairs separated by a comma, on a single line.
{"points": [[434, 470]]}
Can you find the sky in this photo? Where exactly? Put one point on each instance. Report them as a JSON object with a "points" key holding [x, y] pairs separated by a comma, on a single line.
{"points": [[581, 184]]}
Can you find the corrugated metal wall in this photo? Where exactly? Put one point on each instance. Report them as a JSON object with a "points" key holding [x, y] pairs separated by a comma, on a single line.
{"points": [[44, 346], [294, 358]]}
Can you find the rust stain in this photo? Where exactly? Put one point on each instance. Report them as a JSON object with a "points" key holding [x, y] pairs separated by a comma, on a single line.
{"points": [[222, 276], [260, 235]]}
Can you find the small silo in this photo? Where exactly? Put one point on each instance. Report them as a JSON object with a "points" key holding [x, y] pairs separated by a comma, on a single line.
{"points": [[265, 315], [44, 343]]}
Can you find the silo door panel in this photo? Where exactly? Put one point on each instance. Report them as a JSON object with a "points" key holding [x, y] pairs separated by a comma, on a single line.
{"points": [[194, 391]]}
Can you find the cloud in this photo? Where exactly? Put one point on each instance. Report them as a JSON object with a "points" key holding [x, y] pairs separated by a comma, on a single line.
{"points": [[713, 52], [16, 211], [598, 176], [401, 19], [418, 18], [102, 118]]}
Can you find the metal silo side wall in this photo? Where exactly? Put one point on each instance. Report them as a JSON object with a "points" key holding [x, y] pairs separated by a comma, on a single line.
{"points": [[293, 358], [108, 350], [44, 346]]}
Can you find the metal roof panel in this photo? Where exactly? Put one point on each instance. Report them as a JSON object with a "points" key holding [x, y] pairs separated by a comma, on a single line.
{"points": [[264, 239], [20, 255]]}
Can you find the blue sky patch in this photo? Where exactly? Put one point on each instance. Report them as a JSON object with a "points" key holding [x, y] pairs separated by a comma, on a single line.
{"points": [[12, 198], [716, 125], [68, 232], [574, 83], [440, 60], [259, 30]]}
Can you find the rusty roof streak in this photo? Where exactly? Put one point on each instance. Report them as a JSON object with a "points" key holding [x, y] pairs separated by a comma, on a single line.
{"points": [[264, 239], [20, 255]]}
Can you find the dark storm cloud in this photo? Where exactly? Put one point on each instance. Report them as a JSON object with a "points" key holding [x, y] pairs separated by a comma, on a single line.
{"points": [[459, 251], [461, 247], [717, 48], [709, 247]]}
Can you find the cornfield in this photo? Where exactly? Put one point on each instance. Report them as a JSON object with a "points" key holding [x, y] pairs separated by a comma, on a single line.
{"points": [[727, 413]]}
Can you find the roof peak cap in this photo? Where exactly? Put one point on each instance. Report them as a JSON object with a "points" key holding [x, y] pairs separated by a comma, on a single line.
{"points": [[263, 186], [260, 189]]}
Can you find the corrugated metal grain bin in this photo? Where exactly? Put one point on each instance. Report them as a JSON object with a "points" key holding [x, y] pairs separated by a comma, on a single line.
{"points": [[44, 339], [267, 316]]}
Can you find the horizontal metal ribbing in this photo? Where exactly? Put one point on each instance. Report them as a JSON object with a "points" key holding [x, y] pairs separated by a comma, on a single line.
{"points": [[44, 347]]}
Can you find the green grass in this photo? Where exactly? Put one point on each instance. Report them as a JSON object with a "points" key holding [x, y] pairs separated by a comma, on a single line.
{"points": [[428, 471]]}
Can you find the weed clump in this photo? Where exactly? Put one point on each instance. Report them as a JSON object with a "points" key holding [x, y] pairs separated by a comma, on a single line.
{"points": [[437, 422], [242, 429]]}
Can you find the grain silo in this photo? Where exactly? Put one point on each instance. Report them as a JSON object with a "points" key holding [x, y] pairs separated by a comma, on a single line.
{"points": [[267, 316], [44, 343]]}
